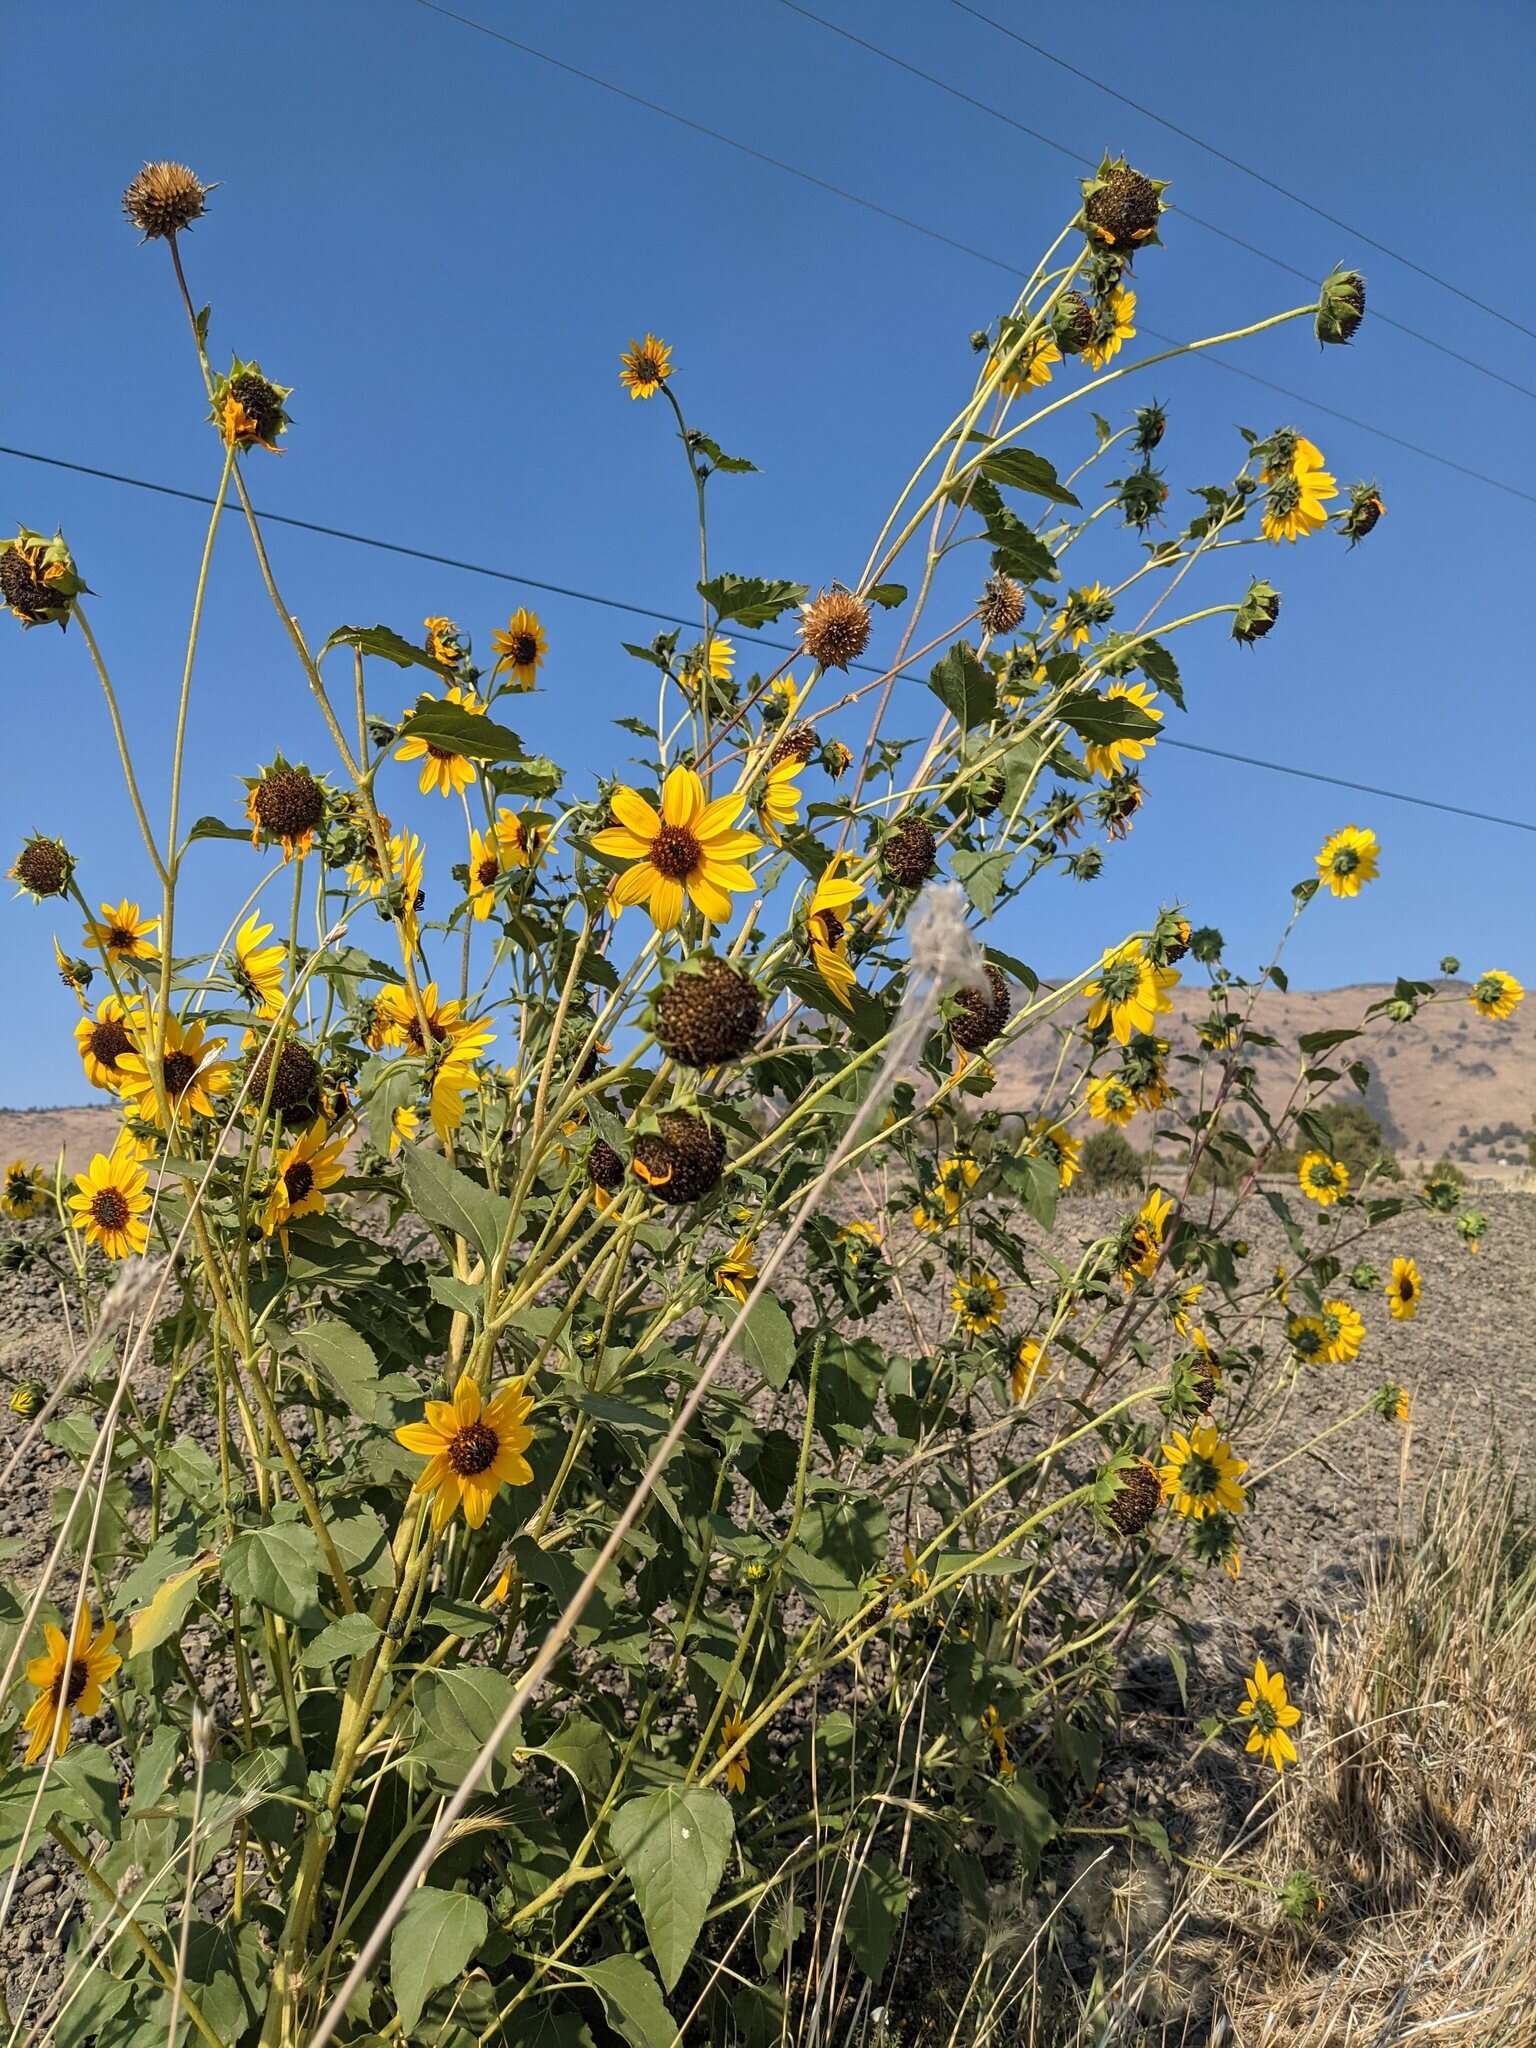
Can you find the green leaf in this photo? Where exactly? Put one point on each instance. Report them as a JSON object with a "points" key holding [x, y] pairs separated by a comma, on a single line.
{"points": [[442, 723], [729, 465], [877, 1899], [215, 828], [982, 876], [351, 1635], [433, 1941], [632, 2000], [1037, 1183], [766, 1340], [582, 1750], [1020, 469], [974, 1564], [1018, 1808], [384, 642], [227, 1972], [1314, 1042], [1016, 549], [456, 1712], [455, 1294], [964, 687], [750, 600], [277, 1566], [1098, 720], [888, 595], [385, 1086], [673, 1844], [346, 1361], [167, 1611], [451, 1199]]}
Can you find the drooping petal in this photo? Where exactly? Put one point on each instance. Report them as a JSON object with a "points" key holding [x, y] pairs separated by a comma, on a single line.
{"points": [[420, 1437]]}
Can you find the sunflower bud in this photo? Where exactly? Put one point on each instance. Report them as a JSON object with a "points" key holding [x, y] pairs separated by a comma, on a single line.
{"points": [[1151, 425], [38, 578], [1256, 614], [1122, 206], [1359, 517], [1340, 306], [43, 867], [163, 199], [27, 1397], [836, 759], [248, 408], [834, 628], [1141, 497]]}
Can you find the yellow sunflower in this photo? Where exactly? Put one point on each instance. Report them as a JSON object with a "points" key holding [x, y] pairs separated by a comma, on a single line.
{"points": [[1200, 1475], [121, 934], [1086, 608], [1109, 757], [978, 1301], [732, 1728], [112, 1198], [1348, 860], [1144, 1241], [1029, 1368], [1496, 994], [645, 366], [520, 649], [441, 768], [778, 801], [23, 1191], [1323, 1179], [1111, 1102], [257, 968], [484, 873], [1130, 993], [1030, 368], [1307, 1338], [471, 1448], [1121, 307], [1344, 1330], [955, 1178], [1404, 1290], [103, 1040], [690, 850], [1272, 1714], [836, 759], [930, 1221], [827, 928], [69, 1677], [736, 1273], [305, 1169], [454, 1080], [445, 643], [1296, 498], [191, 1074], [1056, 1143], [520, 841], [397, 1021]]}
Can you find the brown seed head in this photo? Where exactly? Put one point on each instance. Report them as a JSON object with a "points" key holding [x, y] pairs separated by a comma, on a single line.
{"points": [[983, 1017], [43, 867], [834, 628], [165, 198], [1137, 1499], [1001, 605], [288, 803], [682, 1161], [296, 1084], [908, 855], [797, 743], [708, 1014], [605, 1169]]}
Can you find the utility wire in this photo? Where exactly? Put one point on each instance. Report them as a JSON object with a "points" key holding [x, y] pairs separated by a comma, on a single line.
{"points": [[1247, 169], [641, 611], [1180, 213], [949, 241]]}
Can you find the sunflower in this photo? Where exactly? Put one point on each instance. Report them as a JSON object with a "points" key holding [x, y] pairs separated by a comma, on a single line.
{"points": [[1029, 1367], [715, 658], [778, 801], [1348, 860], [1056, 1143], [1115, 324], [978, 1301], [471, 1449], [484, 873], [735, 1273], [1404, 1290], [1344, 1330], [69, 1677], [997, 1735], [690, 849], [1307, 1338], [121, 934], [645, 366], [1297, 495], [930, 1221], [1496, 994], [732, 1728], [75, 974], [1144, 1240], [403, 1126], [520, 841], [955, 1178], [454, 1080], [103, 1040], [1271, 1714], [405, 865], [1281, 1287], [397, 1020], [827, 929], [836, 759], [1108, 758], [191, 1075], [1084, 609], [1110, 1101], [111, 1199], [23, 1191], [310, 1165], [860, 1239], [257, 967], [1322, 1179], [1200, 1475], [445, 643], [441, 768], [1129, 994], [520, 648], [1182, 1302], [1030, 368]]}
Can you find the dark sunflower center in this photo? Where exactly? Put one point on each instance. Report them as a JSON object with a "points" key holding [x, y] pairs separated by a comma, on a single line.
{"points": [[1345, 861], [298, 1179], [648, 369], [487, 871], [413, 1032], [120, 939], [1201, 1476], [79, 1679], [1405, 1289], [832, 928], [109, 1208], [178, 1069], [978, 1301], [525, 650], [17, 1186], [441, 753], [108, 1041], [262, 405], [675, 852], [473, 1450]]}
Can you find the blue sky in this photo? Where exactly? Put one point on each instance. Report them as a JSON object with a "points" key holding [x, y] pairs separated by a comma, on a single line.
{"points": [[443, 244]]}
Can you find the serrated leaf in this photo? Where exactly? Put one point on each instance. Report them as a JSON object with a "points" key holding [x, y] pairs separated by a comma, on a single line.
{"points": [[888, 595], [434, 1939], [1098, 720], [477, 736], [1020, 1811], [451, 1199], [1314, 1042], [673, 1844], [582, 1750], [632, 2000], [766, 1340], [877, 1900], [384, 642], [277, 1566], [729, 465], [982, 876], [750, 600], [215, 828], [346, 1361], [964, 686]]}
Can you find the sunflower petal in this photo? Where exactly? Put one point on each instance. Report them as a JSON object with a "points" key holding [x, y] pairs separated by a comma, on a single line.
{"points": [[713, 901], [666, 902], [682, 797], [634, 885], [718, 816], [619, 841]]}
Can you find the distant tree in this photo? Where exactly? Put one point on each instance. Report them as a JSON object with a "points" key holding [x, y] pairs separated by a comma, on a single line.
{"points": [[1109, 1160], [1355, 1137]]}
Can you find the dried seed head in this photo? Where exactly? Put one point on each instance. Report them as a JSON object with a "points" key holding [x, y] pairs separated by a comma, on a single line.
{"points": [[834, 628], [165, 198], [1137, 1498], [38, 578], [796, 743], [709, 1013], [982, 1017], [908, 855], [43, 867], [1366, 506], [1122, 207], [1001, 605], [605, 1169], [295, 1085], [287, 803], [1075, 323], [682, 1160]]}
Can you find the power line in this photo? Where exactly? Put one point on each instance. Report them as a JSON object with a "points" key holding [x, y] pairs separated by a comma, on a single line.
{"points": [[949, 241], [641, 611], [1248, 170], [1183, 213]]}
